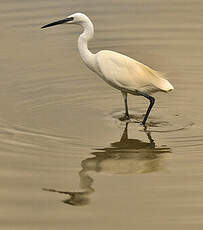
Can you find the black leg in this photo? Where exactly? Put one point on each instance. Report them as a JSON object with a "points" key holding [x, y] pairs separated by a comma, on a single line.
{"points": [[152, 100], [127, 116], [126, 109]]}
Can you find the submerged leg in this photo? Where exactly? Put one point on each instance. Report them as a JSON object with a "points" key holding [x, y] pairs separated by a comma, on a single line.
{"points": [[127, 116], [152, 100], [124, 137]]}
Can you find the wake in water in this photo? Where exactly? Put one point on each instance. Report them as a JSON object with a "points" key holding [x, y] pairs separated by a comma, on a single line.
{"points": [[156, 123]]}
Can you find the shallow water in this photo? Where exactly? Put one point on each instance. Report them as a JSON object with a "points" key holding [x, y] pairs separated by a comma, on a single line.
{"points": [[67, 159]]}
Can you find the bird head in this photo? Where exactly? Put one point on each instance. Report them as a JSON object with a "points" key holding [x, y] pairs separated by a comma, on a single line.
{"points": [[77, 18]]}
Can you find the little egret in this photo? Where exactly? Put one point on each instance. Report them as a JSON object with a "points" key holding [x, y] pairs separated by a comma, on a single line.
{"points": [[119, 71]]}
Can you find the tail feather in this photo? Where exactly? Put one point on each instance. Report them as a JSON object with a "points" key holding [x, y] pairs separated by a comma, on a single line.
{"points": [[165, 85], [158, 79]]}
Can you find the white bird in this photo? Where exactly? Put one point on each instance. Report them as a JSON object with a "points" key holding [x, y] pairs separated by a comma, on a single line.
{"points": [[119, 71]]}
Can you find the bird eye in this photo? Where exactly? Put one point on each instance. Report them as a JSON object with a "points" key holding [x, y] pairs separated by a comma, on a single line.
{"points": [[71, 19]]}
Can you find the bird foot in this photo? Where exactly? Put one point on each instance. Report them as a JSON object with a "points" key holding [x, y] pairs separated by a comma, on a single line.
{"points": [[144, 125], [127, 117]]}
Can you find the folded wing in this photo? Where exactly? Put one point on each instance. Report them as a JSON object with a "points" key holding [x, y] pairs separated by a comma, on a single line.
{"points": [[123, 72]]}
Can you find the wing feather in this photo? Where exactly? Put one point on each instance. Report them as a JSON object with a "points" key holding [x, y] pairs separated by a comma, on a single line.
{"points": [[125, 73]]}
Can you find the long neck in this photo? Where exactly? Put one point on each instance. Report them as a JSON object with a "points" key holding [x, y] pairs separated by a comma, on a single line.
{"points": [[87, 35]]}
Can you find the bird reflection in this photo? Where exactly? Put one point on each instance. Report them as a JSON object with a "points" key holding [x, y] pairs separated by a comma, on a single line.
{"points": [[127, 156]]}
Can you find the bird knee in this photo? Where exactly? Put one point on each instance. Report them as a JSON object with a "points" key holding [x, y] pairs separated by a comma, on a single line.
{"points": [[152, 100]]}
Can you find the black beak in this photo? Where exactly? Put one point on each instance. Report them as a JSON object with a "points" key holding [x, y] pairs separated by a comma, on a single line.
{"points": [[58, 22]]}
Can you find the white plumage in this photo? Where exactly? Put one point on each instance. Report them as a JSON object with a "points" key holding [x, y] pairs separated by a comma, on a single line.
{"points": [[118, 70], [127, 74]]}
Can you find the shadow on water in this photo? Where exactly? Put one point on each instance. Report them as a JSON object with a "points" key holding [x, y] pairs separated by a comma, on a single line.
{"points": [[126, 156]]}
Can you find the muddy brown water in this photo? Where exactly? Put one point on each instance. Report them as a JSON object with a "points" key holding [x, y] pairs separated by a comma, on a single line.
{"points": [[67, 160]]}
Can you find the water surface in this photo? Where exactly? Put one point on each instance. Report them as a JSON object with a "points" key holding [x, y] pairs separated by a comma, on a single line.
{"points": [[67, 160]]}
